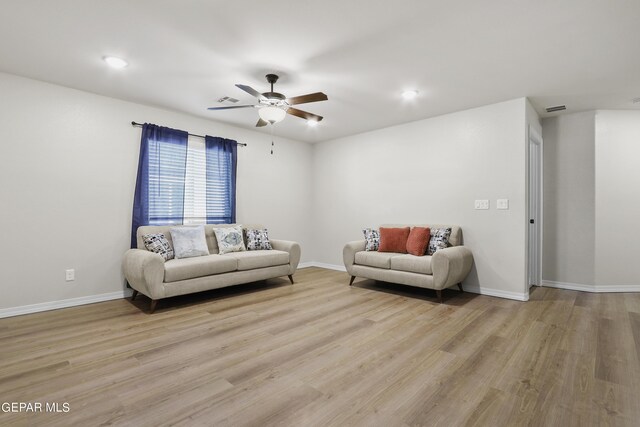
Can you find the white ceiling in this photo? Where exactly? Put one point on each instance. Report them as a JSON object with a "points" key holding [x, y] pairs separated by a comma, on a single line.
{"points": [[184, 55]]}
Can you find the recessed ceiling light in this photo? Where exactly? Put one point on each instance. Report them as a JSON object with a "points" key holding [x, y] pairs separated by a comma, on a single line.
{"points": [[312, 123], [115, 62], [409, 94]]}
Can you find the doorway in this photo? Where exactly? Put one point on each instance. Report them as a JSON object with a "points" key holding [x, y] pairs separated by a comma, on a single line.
{"points": [[534, 264]]}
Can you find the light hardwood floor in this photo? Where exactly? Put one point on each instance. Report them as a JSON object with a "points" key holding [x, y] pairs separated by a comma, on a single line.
{"points": [[322, 353]]}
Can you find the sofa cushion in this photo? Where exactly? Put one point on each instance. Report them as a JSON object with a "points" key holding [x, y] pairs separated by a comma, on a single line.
{"points": [[412, 264], [394, 239], [375, 259], [251, 260], [190, 268]]}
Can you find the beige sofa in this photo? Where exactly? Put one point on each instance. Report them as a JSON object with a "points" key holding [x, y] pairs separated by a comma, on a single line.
{"points": [[149, 274], [447, 267]]}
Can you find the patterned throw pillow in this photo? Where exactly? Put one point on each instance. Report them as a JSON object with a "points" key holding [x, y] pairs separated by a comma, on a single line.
{"points": [[189, 241], [372, 237], [229, 239], [258, 240], [159, 244], [439, 240]]}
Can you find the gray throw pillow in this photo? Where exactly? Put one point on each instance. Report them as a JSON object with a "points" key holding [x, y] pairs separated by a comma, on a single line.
{"points": [[189, 241]]}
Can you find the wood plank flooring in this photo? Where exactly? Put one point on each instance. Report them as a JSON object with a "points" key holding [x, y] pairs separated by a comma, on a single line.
{"points": [[321, 353]]}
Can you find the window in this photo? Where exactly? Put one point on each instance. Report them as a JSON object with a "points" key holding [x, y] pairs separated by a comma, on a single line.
{"points": [[184, 180], [195, 183], [166, 182]]}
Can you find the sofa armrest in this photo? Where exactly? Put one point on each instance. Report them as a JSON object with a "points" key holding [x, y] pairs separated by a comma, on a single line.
{"points": [[294, 252], [349, 253], [144, 270], [451, 266]]}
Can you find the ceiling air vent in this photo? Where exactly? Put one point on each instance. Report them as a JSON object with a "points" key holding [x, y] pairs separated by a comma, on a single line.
{"points": [[556, 108], [227, 98]]}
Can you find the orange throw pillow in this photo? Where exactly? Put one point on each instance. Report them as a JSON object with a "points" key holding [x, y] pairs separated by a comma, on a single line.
{"points": [[394, 239], [418, 240]]}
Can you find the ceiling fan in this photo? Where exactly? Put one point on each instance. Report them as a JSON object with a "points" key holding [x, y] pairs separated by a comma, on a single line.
{"points": [[274, 106]]}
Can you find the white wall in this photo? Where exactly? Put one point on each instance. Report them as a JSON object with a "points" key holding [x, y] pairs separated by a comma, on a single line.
{"points": [[617, 201], [592, 207], [69, 161], [431, 171], [569, 198]]}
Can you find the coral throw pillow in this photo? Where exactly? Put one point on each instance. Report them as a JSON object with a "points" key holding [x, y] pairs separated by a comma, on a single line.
{"points": [[418, 241], [394, 239]]}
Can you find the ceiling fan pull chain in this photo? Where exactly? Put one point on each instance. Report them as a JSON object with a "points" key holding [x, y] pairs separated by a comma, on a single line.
{"points": [[272, 144]]}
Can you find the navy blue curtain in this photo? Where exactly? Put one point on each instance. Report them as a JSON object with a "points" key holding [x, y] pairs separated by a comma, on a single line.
{"points": [[222, 165], [159, 195]]}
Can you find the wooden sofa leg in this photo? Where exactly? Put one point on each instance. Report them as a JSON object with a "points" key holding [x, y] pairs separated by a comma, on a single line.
{"points": [[439, 294], [134, 295], [352, 279], [154, 303], [291, 278], [460, 287]]}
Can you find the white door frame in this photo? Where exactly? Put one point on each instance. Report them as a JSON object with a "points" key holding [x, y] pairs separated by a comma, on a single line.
{"points": [[534, 208]]}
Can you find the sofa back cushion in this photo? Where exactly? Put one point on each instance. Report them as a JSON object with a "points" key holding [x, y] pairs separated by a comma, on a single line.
{"points": [[212, 243], [456, 232]]}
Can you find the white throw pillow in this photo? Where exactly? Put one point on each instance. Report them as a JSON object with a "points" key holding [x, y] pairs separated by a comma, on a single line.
{"points": [[189, 241], [230, 239]]}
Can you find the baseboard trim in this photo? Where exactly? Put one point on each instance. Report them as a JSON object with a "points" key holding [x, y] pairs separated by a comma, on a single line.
{"points": [[496, 293], [55, 305], [322, 265], [305, 265], [590, 288]]}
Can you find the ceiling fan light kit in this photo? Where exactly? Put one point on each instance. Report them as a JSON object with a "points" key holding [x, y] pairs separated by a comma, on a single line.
{"points": [[272, 114], [273, 106]]}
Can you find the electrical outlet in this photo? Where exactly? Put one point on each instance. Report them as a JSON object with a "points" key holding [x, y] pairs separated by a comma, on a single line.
{"points": [[502, 204], [70, 275], [482, 204]]}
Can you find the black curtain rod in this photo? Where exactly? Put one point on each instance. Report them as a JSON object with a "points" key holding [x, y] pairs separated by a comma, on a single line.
{"points": [[191, 134]]}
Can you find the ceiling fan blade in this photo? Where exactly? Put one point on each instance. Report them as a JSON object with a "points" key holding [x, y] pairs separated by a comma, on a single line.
{"points": [[311, 97], [251, 91], [230, 107], [261, 123], [303, 114]]}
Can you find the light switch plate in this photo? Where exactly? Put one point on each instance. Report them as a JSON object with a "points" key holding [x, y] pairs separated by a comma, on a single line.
{"points": [[502, 204], [70, 275], [482, 204]]}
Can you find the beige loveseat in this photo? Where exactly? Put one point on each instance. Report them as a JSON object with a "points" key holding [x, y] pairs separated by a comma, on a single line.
{"points": [[445, 268], [149, 274]]}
